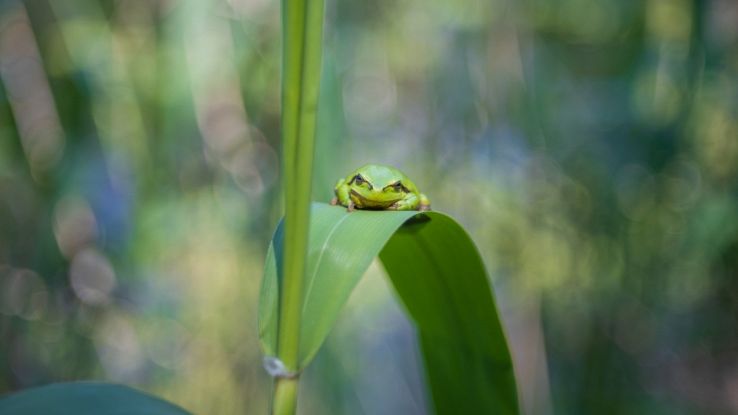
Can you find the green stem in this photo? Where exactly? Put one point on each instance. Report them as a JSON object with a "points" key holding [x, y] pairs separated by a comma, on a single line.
{"points": [[285, 396], [302, 28]]}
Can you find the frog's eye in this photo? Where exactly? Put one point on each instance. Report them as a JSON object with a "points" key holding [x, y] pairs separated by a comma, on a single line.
{"points": [[398, 187], [358, 180]]}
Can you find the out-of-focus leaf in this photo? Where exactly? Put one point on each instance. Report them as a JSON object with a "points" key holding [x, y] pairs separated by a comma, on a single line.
{"points": [[438, 275], [81, 398]]}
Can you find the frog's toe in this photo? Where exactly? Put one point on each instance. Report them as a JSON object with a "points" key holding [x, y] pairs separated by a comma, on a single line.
{"points": [[334, 201], [424, 208], [351, 206]]}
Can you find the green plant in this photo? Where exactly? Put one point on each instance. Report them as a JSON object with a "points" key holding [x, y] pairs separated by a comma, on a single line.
{"points": [[438, 275], [302, 29], [316, 259]]}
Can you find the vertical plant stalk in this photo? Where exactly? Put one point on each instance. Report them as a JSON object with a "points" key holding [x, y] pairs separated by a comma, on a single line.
{"points": [[302, 34]]}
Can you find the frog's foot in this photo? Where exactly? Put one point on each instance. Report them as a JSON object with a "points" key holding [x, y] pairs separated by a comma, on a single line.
{"points": [[401, 205], [350, 207], [334, 201], [424, 205], [410, 202]]}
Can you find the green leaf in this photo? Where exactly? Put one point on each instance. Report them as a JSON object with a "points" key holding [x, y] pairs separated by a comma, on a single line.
{"points": [[80, 398], [340, 248], [440, 278]]}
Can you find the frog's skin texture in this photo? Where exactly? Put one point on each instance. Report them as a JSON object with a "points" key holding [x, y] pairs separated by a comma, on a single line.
{"points": [[378, 187]]}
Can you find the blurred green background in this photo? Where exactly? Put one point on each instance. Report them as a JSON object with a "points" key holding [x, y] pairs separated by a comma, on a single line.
{"points": [[589, 146]]}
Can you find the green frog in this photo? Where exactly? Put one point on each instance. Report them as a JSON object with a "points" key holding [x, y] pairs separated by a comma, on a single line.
{"points": [[378, 187]]}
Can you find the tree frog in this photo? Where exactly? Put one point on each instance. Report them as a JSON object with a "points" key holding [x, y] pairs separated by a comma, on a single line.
{"points": [[379, 187]]}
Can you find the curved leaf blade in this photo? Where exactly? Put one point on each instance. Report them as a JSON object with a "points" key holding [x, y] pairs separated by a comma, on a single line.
{"points": [[80, 398], [341, 246], [439, 276]]}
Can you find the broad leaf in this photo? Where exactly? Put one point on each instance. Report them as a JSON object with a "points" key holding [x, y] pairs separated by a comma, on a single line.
{"points": [[81, 398], [439, 276], [340, 248]]}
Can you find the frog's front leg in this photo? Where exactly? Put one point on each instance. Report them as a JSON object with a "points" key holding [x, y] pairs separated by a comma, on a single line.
{"points": [[410, 202], [424, 204], [342, 191]]}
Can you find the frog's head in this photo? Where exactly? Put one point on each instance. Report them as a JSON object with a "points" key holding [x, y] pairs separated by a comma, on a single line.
{"points": [[375, 186]]}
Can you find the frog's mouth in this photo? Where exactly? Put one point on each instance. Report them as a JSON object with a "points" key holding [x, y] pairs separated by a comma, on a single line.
{"points": [[364, 203]]}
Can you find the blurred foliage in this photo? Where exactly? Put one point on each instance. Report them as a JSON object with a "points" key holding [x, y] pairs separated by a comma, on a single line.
{"points": [[74, 398], [591, 147]]}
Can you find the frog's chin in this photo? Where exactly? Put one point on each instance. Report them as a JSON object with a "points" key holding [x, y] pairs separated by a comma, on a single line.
{"points": [[365, 203]]}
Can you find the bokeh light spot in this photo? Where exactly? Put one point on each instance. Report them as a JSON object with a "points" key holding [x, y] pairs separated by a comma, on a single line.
{"points": [[74, 225], [92, 277]]}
